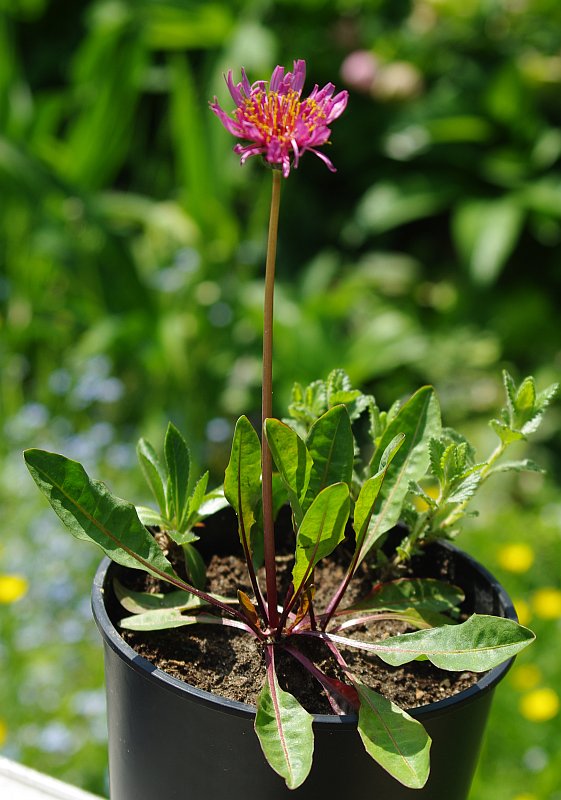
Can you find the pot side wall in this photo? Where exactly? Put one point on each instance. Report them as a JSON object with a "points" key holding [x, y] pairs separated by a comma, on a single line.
{"points": [[169, 741]]}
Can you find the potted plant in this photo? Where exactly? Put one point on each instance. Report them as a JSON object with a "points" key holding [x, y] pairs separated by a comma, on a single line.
{"points": [[356, 581]]}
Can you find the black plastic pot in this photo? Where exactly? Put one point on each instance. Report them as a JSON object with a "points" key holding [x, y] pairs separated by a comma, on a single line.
{"points": [[171, 741]]}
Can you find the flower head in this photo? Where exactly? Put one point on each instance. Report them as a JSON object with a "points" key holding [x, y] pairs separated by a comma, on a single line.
{"points": [[276, 122]]}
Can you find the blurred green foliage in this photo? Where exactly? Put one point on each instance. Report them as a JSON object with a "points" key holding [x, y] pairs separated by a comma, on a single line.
{"points": [[131, 252]]}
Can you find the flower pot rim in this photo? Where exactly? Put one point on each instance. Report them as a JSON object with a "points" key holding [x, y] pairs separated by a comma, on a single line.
{"points": [[149, 671]]}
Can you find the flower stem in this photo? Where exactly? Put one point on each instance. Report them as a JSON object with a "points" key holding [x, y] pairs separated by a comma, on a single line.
{"points": [[267, 403]]}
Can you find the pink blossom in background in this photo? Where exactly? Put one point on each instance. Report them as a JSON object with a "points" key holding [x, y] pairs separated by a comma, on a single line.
{"points": [[359, 70], [275, 122]]}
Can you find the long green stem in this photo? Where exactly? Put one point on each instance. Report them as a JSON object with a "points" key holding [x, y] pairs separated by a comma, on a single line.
{"points": [[267, 404]]}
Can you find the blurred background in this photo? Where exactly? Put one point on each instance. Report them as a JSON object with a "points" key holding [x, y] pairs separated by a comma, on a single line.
{"points": [[131, 259]]}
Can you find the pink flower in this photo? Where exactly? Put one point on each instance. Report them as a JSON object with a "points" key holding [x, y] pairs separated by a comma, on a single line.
{"points": [[275, 122]]}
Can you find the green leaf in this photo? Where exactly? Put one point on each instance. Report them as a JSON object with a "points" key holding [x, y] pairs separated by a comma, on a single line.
{"points": [[525, 400], [178, 465], [308, 404], [322, 529], [510, 391], [139, 602], [91, 512], [364, 506], [505, 433], [420, 593], [213, 501], [396, 741], [524, 409], [158, 620], [331, 446], [196, 500], [389, 205], [284, 730], [292, 460], [465, 488], [195, 565], [151, 518], [524, 465], [180, 538], [419, 420], [480, 643], [242, 481], [153, 472], [486, 232]]}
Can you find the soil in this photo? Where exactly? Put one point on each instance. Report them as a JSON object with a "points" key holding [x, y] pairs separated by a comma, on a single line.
{"points": [[230, 663]]}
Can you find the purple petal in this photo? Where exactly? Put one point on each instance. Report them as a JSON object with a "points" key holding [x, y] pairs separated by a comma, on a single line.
{"points": [[274, 152], [339, 105], [319, 136], [325, 93], [276, 79], [247, 152], [234, 89], [246, 84], [296, 153], [324, 158], [231, 125], [299, 75]]}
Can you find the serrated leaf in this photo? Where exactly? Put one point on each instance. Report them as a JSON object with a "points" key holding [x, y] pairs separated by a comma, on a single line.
{"points": [[178, 466], [322, 529], [337, 381], [510, 391], [451, 435], [436, 452], [284, 730], [464, 489], [395, 740], [524, 465], [196, 500], [505, 433], [242, 481], [331, 446], [544, 398], [153, 472], [92, 513], [293, 462], [376, 424], [419, 420]]}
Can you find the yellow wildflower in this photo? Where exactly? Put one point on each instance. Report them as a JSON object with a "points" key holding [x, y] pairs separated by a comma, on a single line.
{"points": [[526, 676], [539, 705], [431, 491], [525, 796], [3, 733], [523, 611], [12, 588], [546, 603], [516, 557]]}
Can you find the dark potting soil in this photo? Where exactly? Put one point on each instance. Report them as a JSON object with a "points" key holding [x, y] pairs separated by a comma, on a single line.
{"points": [[230, 663]]}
